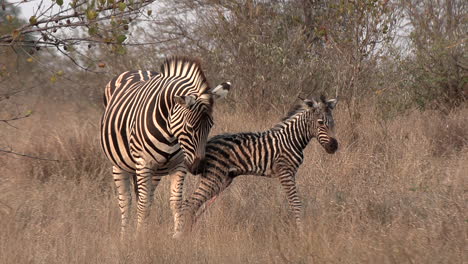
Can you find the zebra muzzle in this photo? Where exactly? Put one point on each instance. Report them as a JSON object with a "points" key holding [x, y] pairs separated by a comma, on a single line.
{"points": [[193, 168], [331, 146]]}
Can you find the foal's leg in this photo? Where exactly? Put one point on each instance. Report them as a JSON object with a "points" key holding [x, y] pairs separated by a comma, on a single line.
{"points": [[287, 180], [208, 187]]}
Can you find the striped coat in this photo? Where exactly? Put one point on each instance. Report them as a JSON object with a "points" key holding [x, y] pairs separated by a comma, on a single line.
{"points": [[156, 124], [275, 153]]}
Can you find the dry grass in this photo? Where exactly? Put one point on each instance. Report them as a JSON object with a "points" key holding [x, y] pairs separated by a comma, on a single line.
{"points": [[394, 193]]}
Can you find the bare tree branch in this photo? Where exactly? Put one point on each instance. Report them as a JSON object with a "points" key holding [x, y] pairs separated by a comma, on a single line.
{"points": [[7, 121], [82, 14], [29, 156]]}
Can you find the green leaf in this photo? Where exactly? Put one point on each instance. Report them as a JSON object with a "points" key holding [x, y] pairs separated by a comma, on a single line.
{"points": [[33, 20], [92, 31], [91, 14], [119, 49], [28, 113], [59, 2], [10, 18], [122, 6], [53, 78], [121, 39]]}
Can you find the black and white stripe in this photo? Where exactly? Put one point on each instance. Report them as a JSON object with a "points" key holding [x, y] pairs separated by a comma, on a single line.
{"points": [[275, 153], [125, 80], [156, 124]]}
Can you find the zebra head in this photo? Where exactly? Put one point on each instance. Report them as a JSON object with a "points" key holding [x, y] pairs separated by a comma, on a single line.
{"points": [[191, 122], [323, 123]]}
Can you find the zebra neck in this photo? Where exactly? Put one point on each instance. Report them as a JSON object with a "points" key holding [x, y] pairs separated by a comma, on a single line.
{"points": [[161, 110], [296, 131], [182, 86]]}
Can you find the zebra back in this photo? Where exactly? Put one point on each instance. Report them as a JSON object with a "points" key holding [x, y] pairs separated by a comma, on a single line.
{"points": [[125, 80]]}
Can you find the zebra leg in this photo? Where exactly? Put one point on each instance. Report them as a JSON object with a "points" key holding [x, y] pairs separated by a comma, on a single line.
{"points": [[288, 182], [122, 182], [209, 202], [155, 180], [175, 201], [145, 194], [208, 188]]}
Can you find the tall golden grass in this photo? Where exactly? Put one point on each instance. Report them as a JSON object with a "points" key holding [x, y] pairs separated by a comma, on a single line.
{"points": [[395, 192]]}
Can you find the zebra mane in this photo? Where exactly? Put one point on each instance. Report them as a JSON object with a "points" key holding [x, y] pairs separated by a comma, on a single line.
{"points": [[296, 109], [300, 107], [172, 67], [304, 105]]}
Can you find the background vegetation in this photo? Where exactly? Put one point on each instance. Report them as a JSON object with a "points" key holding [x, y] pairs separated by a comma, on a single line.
{"points": [[394, 193]]}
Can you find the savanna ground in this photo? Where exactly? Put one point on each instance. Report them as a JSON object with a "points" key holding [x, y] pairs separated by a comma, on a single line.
{"points": [[395, 192]]}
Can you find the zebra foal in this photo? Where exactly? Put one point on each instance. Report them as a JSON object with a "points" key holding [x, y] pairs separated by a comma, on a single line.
{"points": [[156, 124], [275, 153]]}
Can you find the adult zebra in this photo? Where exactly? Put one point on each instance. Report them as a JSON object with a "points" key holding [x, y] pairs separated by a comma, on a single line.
{"points": [[156, 124], [275, 153]]}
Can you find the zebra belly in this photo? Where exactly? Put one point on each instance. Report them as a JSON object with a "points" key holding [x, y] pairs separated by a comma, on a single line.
{"points": [[160, 164], [117, 151], [234, 172], [126, 155]]}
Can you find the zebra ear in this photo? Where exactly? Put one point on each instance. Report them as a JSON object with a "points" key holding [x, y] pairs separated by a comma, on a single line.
{"points": [[332, 103], [185, 101], [315, 104], [307, 103], [221, 90]]}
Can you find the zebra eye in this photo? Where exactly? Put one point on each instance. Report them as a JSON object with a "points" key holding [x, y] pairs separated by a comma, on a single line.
{"points": [[320, 121]]}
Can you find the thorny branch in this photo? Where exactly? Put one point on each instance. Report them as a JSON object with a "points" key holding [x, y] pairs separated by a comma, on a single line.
{"points": [[82, 14]]}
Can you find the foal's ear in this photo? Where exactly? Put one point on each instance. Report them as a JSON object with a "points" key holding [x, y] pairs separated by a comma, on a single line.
{"points": [[306, 102], [185, 100], [332, 103], [315, 104]]}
